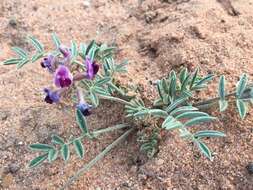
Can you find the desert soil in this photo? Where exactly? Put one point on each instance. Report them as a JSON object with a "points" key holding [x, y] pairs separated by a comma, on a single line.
{"points": [[155, 36]]}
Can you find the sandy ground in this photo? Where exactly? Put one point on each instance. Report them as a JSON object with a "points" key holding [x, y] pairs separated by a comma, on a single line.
{"points": [[155, 36]]}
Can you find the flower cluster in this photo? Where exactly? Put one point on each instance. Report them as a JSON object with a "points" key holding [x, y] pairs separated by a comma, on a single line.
{"points": [[63, 78]]}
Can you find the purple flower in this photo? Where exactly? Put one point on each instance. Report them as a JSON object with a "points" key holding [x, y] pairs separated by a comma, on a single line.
{"points": [[84, 108], [63, 77], [48, 62], [92, 68], [65, 51], [51, 96]]}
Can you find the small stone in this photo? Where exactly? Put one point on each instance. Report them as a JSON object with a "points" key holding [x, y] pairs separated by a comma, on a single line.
{"points": [[13, 168], [159, 162], [133, 169], [249, 167], [3, 115], [86, 3], [13, 23], [142, 177]]}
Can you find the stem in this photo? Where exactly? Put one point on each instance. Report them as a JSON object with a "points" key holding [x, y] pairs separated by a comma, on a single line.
{"points": [[86, 167], [115, 99], [212, 100], [109, 129], [101, 131], [206, 103]]}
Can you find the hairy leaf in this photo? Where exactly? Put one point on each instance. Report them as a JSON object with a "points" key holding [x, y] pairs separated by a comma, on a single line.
{"points": [[222, 92], [57, 140], [56, 40], [198, 120], [223, 104], [191, 114], [241, 107], [241, 85], [79, 148], [81, 121], [37, 161], [208, 133], [36, 43], [182, 110], [41, 147], [52, 155], [65, 152], [205, 150]]}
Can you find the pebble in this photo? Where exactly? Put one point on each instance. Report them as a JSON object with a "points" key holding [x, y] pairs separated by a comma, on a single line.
{"points": [[249, 167], [159, 162], [3, 115], [13, 168]]}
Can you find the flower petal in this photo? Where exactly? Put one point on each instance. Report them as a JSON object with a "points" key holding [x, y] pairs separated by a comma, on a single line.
{"points": [[63, 77]]}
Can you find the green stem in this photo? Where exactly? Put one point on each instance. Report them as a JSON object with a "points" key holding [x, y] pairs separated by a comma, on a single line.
{"points": [[207, 103], [109, 129], [115, 99], [211, 101], [101, 131], [86, 167]]}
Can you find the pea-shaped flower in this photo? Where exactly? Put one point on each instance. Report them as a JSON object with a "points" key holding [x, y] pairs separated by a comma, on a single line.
{"points": [[51, 96], [84, 108], [63, 77], [48, 62], [92, 68]]}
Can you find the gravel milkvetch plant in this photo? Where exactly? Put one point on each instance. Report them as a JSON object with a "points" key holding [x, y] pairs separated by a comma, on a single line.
{"points": [[86, 71]]}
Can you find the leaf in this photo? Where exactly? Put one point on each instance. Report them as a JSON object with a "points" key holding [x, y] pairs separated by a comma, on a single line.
{"points": [[158, 112], [205, 150], [191, 114], [79, 148], [173, 84], [57, 140], [74, 50], [176, 103], [65, 152], [171, 123], [204, 80], [52, 155], [90, 46], [94, 99], [56, 40], [194, 77], [183, 109], [141, 113], [41, 147], [38, 46], [208, 133], [222, 92], [185, 83], [102, 81], [37, 56], [12, 61], [22, 63], [37, 161], [223, 104], [241, 85], [100, 91], [83, 49], [183, 74], [81, 121], [241, 107], [20, 52], [197, 120]]}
